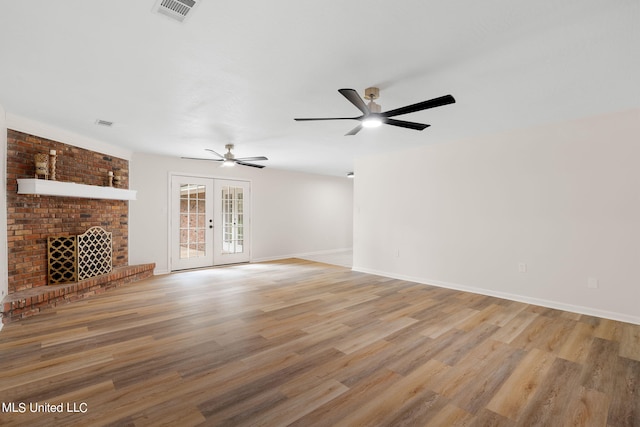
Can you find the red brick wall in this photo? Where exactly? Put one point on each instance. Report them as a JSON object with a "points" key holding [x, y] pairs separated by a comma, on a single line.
{"points": [[31, 219]]}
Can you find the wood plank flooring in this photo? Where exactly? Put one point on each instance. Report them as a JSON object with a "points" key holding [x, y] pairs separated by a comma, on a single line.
{"points": [[307, 344]]}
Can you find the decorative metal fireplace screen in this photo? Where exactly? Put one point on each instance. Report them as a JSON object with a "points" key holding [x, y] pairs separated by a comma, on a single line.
{"points": [[62, 259], [75, 258]]}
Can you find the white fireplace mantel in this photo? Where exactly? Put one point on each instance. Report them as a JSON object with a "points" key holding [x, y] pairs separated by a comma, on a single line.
{"points": [[45, 187]]}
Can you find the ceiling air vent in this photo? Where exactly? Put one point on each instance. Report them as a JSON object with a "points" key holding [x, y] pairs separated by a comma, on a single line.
{"points": [[175, 9], [106, 123]]}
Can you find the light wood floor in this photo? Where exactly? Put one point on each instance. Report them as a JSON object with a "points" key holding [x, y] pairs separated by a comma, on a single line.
{"points": [[307, 344]]}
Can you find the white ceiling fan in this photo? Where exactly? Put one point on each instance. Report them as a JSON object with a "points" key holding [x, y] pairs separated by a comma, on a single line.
{"points": [[230, 160]]}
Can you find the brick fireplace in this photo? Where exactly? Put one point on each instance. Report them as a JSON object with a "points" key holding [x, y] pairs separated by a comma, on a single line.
{"points": [[31, 219]]}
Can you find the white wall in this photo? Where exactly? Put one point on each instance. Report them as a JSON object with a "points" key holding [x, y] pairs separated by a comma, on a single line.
{"points": [[564, 199], [54, 133], [4, 278], [292, 213]]}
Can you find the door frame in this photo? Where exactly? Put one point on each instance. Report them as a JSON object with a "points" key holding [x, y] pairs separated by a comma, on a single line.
{"points": [[170, 176]]}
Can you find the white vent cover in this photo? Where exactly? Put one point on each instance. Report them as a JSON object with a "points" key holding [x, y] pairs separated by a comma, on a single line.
{"points": [[106, 123], [175, 9]]}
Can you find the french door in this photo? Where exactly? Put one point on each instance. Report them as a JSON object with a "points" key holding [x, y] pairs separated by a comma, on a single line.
{"points": [[231, 218], [209, 222], [191, 222]]}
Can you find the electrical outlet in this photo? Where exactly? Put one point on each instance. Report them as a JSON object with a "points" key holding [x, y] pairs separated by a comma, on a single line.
{"points": [[522, 267], [592, 283]]}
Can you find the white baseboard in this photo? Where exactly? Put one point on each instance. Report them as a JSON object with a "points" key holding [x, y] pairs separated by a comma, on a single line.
{"points": [[512, 297], [302, 255]]}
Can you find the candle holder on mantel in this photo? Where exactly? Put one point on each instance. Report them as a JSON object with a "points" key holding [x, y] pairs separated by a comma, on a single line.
{"points": [[42, 165], [110, 178], [53, 157], [117, 180]]}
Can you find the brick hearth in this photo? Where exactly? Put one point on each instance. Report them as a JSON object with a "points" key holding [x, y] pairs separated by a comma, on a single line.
{"points": [[29, 302]]}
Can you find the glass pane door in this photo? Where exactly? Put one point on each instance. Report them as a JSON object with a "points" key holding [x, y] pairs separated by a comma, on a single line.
{"points": [[231, 235], [193, 199], [192, 222], [232, 220]]}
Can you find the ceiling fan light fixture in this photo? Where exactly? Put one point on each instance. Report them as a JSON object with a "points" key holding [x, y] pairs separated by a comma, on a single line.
{"points": [[227, 163], [371, 122]]}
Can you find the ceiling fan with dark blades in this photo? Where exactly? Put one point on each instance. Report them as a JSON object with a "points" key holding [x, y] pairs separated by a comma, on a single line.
{"points": [[230, 160], [372, 117]]}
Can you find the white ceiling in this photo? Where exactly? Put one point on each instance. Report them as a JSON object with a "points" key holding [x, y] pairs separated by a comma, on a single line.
{"points": [[240, 71]]}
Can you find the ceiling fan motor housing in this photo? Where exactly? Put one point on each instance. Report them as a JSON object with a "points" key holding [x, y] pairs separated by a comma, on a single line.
{"points": [[228, 155], [373, 107]]}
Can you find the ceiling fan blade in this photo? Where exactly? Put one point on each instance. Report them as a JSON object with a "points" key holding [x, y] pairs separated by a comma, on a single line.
{"points": [[354, 131], [435, 102], [405, 124], [199, 158], [355, 99], [251, 159], [249, 164], [327, 118], [211, 151]]}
